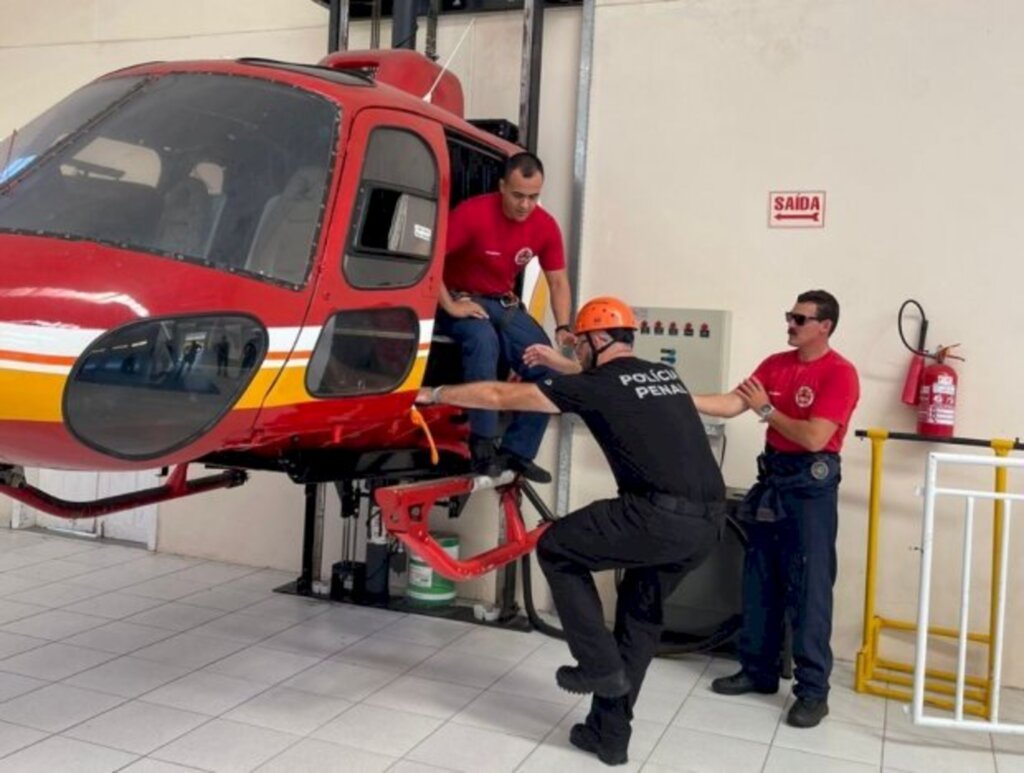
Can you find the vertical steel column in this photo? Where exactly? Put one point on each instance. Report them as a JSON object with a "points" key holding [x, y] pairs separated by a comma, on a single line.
{"points": [[579, 178], [337, 27], [312, 539], [433, 11], [529, 113], [529, 81], [375, 24], [403, 24]]}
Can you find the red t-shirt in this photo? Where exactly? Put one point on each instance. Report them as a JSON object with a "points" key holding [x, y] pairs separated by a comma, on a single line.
{"points": [[825, 388], [486, 250]]}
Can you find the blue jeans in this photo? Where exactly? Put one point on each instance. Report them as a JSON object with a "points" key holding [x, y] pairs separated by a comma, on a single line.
{"points": [[790, 568], [485, 344]]}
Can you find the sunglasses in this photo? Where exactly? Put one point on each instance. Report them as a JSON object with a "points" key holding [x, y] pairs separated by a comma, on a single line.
{"points": [[799, 319]]}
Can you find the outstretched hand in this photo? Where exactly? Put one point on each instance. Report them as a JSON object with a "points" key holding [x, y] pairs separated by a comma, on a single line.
{"points": [[546, 356]]}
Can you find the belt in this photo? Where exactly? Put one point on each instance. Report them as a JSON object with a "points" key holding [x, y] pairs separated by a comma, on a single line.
{"points": [[507, 300], [773, 462], [684, 506]]}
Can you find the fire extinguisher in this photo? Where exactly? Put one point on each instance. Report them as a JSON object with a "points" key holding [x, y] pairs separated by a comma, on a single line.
{"points": [[932, 388]]}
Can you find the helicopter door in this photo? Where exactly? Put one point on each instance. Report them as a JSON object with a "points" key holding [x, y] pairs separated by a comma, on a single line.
{"points": [[377, 292]]}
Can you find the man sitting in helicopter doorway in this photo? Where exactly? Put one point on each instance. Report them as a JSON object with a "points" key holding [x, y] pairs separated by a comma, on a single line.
{"points": [[491, 239]]}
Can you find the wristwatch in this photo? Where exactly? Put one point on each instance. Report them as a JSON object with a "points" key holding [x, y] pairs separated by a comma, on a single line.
{"points": [[765, 411]]}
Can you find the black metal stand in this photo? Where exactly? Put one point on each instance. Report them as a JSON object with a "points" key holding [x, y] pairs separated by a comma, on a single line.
{"points": [[953, 441]]}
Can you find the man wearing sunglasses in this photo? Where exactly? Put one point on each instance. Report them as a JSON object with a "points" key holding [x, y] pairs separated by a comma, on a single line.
{"points": [[806, 396]]}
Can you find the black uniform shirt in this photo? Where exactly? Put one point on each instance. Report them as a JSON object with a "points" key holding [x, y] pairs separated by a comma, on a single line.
{"points": [[644, 419]]}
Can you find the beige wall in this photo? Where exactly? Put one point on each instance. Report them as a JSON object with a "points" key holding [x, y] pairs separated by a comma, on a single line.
{"points": [[907, 114]]}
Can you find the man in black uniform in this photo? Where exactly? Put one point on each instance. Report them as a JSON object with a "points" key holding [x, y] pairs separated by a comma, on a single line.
{"points": [[663, 523]]}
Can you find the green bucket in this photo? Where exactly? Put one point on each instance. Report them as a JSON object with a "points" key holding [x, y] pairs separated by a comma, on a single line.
{"points": [[426, 587]]}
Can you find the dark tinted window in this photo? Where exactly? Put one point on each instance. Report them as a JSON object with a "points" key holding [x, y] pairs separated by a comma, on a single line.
{"points": [[25, 145], [135, 177], [361, 352], [394, 222], [148, 388], [474, 170]]}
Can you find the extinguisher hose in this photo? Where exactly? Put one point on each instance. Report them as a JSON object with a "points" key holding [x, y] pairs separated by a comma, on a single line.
{"points": [[922, 331]]}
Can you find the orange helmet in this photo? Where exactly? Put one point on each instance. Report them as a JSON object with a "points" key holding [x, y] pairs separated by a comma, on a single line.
{"points": [[604, 313]]}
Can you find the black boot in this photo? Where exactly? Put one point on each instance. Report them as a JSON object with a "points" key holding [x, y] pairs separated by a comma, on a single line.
{"points": [[483, 456], [586, 738], [807, 712], [525, 467], [741, 683], [613, 685]]}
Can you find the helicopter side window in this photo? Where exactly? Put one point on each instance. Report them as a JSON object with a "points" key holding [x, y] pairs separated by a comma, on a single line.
{"points": [[367, 351], [395, 217]]}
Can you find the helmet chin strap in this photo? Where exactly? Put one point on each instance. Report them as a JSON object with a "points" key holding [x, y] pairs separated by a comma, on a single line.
{"points": [[595, 351]]}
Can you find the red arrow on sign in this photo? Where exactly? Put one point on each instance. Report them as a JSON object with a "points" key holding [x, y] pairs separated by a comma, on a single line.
{"points": [[811, 216]]}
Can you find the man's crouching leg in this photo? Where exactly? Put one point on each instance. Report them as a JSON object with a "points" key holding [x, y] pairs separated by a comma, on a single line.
{"points": [[568, 571]]}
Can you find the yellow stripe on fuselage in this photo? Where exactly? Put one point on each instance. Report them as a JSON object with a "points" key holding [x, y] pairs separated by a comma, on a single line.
{"points": [[28, 396]]}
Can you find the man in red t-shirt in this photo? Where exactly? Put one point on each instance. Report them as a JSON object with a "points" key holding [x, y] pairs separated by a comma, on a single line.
{"points": [[806, 397], [491, 238]]}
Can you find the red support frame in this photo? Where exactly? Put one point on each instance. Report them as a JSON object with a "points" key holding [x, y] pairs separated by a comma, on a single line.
{"points": [[14, 485], [405, 512]]}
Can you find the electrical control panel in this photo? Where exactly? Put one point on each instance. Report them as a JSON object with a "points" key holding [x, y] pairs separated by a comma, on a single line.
{"points": [[694, 341]]}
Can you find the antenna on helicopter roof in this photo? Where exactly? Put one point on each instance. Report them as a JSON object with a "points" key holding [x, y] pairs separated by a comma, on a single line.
{"points": [[430, 92]]}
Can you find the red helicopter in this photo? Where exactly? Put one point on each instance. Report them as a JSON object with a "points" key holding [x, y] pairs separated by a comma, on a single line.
{"points": [[237, 263]]}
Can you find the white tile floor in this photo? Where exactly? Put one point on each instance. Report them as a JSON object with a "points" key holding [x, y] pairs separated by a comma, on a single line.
{"points": [[116, 659]]}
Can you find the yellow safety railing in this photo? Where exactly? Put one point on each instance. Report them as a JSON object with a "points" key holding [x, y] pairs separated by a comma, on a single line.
{"points": [[891, 678]]}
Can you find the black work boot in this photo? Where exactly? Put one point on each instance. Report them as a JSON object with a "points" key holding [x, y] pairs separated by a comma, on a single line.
{"points": [[525, 467], [586, 738], [741, 683], [613, 685], [807, 712], [483, 456]]}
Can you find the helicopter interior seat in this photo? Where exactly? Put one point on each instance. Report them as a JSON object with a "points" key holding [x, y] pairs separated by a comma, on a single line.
{"points": [[184, 225], [284, 235], [115, 210]]}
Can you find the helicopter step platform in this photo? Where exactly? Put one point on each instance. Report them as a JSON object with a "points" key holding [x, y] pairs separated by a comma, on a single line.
{"points": [[405, 510]]}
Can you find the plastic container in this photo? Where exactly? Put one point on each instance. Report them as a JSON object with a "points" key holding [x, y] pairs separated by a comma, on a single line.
{"points": [[426, 587]]}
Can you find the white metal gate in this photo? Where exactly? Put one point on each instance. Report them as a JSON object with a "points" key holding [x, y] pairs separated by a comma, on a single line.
{"points": [[932, 491]]}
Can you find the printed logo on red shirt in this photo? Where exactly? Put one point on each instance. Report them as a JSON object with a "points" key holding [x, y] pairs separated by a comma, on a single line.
{"points": [[804, 397], [524, 256]]}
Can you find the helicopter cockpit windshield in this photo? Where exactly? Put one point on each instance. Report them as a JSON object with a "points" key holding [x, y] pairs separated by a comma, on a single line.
{"points": [[230, 172]]}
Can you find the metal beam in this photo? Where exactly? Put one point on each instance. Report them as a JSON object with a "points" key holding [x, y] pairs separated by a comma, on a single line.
{"points": [[433, 12], [579, 178], [337, 26], [403, 24], [529, 83], [375, 24]]}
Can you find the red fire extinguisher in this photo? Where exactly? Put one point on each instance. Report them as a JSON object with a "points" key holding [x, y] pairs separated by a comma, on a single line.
{"points": [[931, 387], [936, 403]]}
